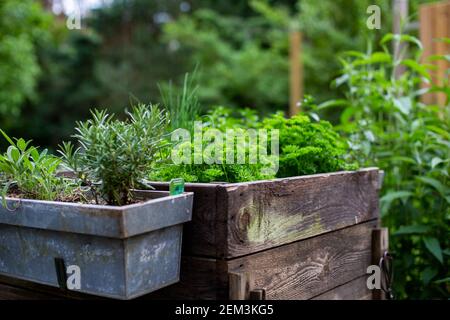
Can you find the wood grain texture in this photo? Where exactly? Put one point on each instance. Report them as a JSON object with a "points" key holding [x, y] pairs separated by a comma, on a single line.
{"points": [[300, 270], [435, 24], [201, 278], [15, 293], [305, 269], [239, 285], [353, 290], [233, 220], [262, 215], [199, 235], [26, 290]]}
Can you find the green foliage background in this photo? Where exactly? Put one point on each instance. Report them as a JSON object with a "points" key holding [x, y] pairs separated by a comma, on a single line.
{"points": [[388, 126], [23, 24]]}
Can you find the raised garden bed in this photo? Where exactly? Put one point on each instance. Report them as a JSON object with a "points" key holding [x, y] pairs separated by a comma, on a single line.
{"points": [[294, 238], [308, 237]]}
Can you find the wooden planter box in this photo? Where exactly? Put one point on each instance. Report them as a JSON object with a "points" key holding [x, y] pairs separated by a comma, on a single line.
{"points": [[122, 252], [307, 237], [294, 238]]}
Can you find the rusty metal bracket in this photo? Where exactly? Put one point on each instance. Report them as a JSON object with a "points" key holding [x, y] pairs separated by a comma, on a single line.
{"points": [[387, 270]]}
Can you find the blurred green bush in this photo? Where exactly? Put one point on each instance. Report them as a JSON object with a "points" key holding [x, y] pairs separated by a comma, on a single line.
{"points": [[23, 23], [388, 126], [244, 59]]}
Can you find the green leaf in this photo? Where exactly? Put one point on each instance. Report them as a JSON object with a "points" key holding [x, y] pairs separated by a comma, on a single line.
{"points": [[404, 104], [428, 274], [445, 280], [13, 154], [333, 103], [341, 80], [34, 154], [435, 184], [7, 138], [391, 196], [413, 229], [21, 144], [417, 67], [376, 57], [435, 161], [432, 244], [401, 38]]}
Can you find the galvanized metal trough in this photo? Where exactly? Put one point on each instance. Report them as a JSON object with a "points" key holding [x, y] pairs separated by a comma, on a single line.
{"points": [[121, 252]]}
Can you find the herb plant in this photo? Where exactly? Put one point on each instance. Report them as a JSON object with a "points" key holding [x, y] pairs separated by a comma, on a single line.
{"points": [[308, 147], [27, 173], [115, 156], [220, 118], [182, 104]]}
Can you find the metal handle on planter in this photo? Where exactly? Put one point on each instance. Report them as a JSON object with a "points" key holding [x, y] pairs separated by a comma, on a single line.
{"points": [[387, 269], [61, 273]]}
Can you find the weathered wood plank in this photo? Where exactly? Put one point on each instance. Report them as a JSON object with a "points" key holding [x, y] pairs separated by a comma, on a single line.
{"points": [[199, 235], [15, 293], [426, 37], [299, 270], [25, 290], [353, 290], [239, 286], [201, 278], [272, 213], [233, 220], [305, 269]]}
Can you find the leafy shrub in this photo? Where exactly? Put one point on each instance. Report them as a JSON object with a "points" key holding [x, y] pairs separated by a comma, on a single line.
{"points": [[388, 126], [307, 147], [25, 172], [115, 156]]}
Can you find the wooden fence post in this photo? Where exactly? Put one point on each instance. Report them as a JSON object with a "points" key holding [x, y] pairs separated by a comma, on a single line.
{"points": [[400, 8], [296, 72], [239, 286], [435, 23]]}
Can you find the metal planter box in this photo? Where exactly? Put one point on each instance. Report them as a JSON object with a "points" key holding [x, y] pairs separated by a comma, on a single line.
{"points": [[122, 252]]}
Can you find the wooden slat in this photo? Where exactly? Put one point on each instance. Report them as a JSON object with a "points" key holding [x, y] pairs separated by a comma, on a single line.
{"points": [[442, 21], [400, 15], [296, 72], [233, 220], [269, 214], [426, 32], [305, 269], [239, 285], [300, 270], [201, 235], [15, 293], [25, 290], [201, 278], [434, 24], [353, 290]]}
